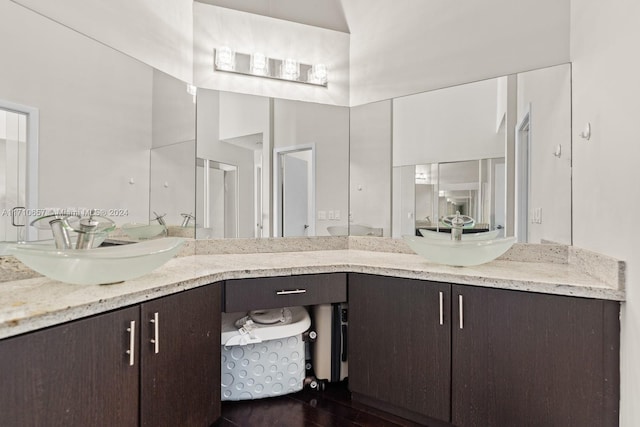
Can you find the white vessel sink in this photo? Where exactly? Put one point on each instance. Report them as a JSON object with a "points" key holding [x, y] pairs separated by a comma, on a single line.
{"points": [[460, 253], [485, 235], [103, 265]]}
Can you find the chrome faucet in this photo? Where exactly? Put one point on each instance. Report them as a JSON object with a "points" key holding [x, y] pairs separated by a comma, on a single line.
{"points": [[457, 222], [186, 218]]}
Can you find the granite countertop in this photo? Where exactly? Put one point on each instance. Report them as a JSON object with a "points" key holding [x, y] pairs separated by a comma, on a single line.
{"points": [[35, 303]]}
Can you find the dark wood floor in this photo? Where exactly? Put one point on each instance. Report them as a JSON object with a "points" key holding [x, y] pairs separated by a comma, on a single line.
{"points": [[331, 407]]}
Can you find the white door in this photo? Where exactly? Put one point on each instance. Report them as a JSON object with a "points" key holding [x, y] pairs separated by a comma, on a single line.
{"points": [[295, 195]]}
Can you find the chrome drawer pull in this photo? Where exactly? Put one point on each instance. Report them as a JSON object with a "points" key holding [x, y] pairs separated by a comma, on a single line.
{"points": [[156, 333], [461, 310], [291, 292], [441, 308], [132, 342]]}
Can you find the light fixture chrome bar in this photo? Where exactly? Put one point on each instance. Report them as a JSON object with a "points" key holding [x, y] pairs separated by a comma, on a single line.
{"points": [[279, 69]]}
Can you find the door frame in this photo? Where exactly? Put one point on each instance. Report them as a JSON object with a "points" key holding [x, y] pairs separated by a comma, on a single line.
{"points": [[278, 152], [32, 141], [523, 175]]}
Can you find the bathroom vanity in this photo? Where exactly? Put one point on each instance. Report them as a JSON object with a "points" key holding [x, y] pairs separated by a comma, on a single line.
{"points": [[507, 343]]}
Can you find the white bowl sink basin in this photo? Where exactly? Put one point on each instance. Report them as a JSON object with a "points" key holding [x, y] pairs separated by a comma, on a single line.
{"points": [[485, 235], [103, 265], [143, 231], [460, 253]]}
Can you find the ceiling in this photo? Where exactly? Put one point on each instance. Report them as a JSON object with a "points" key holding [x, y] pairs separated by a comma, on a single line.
{"points": [[319, 13]]}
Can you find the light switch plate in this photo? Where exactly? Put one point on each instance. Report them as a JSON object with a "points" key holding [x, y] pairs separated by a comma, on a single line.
{"points": [[336, 215], [322, 215], [330, 215]]}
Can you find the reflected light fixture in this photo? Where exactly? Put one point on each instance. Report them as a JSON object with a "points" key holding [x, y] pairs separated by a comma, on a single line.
{"points": [[259, 64]]}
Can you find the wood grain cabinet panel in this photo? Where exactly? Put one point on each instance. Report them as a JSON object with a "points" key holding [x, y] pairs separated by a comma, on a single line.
{"points": [[399, 346], [503, 358], [527, 359], [79, 374], [180, 383], [76, 374], [284, 291]]}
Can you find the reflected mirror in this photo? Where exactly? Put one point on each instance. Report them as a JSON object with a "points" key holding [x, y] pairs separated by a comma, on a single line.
{"points": [[290, 159], [97, 124], [523, 119]]}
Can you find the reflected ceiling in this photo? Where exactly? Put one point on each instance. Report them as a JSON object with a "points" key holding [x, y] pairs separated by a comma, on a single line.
{"points": [[325, 14]]}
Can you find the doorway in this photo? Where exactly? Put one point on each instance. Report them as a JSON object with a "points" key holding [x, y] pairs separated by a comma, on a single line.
{"points": [[295, 191], [18, 171], [523, 173]]}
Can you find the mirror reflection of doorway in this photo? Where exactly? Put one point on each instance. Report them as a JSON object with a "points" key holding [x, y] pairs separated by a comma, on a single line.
{"points": [[18, 170], [217, 203], [522, 172], [294, 182]]}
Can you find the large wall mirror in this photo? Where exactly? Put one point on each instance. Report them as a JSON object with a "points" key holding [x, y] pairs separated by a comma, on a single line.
{"points": [[113, 134], [270, 167], [498, 150]]}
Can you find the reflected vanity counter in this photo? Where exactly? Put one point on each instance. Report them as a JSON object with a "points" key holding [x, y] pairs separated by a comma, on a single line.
{"points": [[38, 302]]}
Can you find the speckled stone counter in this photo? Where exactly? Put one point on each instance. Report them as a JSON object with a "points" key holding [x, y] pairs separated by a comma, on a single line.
{"points": [[34, 303]]}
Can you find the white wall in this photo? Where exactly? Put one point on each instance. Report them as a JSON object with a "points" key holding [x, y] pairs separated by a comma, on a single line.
{"points": [[95, 113], [451, 124], [606, 201], [157, 32], [370, 166], [409, 46], [245, 32], [547, 92]]}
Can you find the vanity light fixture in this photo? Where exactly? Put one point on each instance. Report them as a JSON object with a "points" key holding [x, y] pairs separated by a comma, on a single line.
{"points": [[225, 59], [259, 64], [318, 74], [289, 69]]}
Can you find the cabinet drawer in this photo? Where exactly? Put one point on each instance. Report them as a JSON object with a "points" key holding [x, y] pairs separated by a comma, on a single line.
{"points": [[284, 291]]}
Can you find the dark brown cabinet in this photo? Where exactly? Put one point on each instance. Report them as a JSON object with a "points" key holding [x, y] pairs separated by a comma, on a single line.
{"points": [[76, 374], [503, 358], [284, 291], [180, 359], [527, 359], [105, 371], [400, 345]]}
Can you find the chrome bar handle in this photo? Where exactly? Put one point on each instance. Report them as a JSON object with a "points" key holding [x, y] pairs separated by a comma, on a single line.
{"points": [[460, 307], [132, 342], [291, 292], [156, 333], [441, 308]]}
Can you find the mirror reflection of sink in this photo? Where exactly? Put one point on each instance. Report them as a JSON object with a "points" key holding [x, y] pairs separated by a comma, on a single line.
{"points": [[143, 231], [354, 230], [486, 235], [101, 265], [459, 253]]}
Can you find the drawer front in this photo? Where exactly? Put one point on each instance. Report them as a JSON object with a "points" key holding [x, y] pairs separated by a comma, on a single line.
{"points": [[284, 291]]}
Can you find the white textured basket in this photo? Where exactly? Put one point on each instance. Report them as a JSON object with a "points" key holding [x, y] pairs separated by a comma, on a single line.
{"points": [[272, 367]]}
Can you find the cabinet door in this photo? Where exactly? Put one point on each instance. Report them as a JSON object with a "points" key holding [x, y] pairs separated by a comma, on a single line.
{"points": [[76, 374], [526, 359], [180, 375], [399, 350]]}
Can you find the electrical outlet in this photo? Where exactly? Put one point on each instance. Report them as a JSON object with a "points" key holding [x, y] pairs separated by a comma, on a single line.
{"points": [[322, 215], [330, 215], [336, 215]]}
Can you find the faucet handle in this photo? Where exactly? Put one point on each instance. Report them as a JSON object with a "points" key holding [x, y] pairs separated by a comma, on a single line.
{"points": [[160, 218], [186, 218]]}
